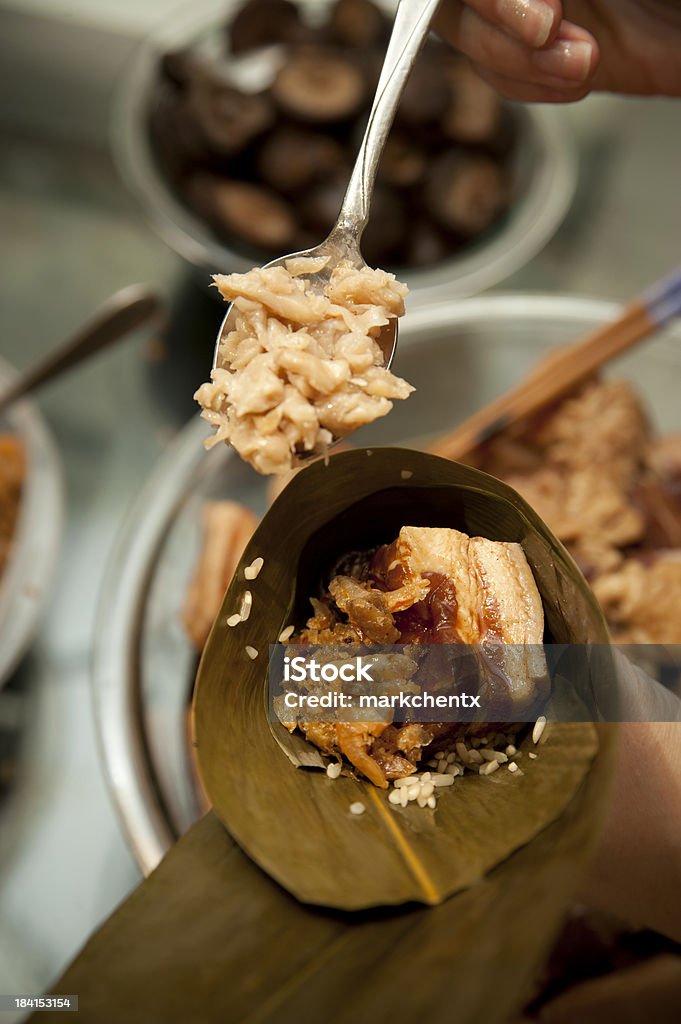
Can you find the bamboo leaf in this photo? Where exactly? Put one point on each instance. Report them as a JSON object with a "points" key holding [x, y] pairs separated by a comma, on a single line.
{"points": [[210, 937], [295, 823]]}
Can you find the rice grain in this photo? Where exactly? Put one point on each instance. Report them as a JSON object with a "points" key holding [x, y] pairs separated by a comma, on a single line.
{"points": [[442, 780], [407, 781], [246, 605], [538, 730], [251, 571], [463, 752]]}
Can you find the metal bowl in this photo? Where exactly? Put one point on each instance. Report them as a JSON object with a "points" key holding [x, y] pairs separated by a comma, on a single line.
{"points": [[24, 585], [458, 355], [545, 172]]}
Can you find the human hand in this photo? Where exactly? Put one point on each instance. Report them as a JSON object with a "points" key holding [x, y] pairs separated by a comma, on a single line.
{"points": [[636, 871], [548, 51]]}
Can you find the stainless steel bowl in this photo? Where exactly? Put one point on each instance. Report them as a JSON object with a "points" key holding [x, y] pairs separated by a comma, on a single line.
{"points": [[24, 585], [545, 171], [458, 354]]}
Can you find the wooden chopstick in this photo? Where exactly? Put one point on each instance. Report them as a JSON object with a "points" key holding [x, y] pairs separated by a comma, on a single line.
{"points": [[563, 370]]}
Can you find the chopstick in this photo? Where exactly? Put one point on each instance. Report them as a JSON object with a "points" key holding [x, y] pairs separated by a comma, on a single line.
{"points": [[125, 311], [561, 371]]}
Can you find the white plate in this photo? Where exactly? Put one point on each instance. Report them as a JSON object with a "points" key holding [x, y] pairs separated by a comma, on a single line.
{"points": [[25, 582]]}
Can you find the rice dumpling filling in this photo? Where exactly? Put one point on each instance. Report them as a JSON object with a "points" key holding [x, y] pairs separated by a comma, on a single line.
{"points": [[301, 368], [431, 586]]}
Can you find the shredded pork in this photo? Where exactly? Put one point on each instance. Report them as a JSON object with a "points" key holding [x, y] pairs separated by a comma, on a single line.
{"points": [[611, 491], [301, 368]]}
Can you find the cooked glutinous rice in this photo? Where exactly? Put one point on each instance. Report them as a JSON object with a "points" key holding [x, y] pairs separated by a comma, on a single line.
{"points": [[357, 808], [419, 788], [246, 605], [251, 652], [286, 634], [538, 730], [478, 755], [234, 620], [333, 770], [251, 571], [301, 368]]}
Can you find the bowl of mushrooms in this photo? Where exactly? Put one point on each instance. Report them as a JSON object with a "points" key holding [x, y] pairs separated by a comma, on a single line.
{"points": [[236, 125]]}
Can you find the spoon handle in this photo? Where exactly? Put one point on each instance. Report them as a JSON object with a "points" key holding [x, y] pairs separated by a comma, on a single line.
{"points": [[411, 26], [123, 312]]}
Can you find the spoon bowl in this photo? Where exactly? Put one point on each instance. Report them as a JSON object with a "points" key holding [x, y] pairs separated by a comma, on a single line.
{"points": [[386, 340]]}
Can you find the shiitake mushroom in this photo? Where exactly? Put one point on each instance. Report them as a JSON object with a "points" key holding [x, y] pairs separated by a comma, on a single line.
{"points": [[319, 206], [501, 145], [291, 159], [466, 192], [403, 162], [179, 144], [229, 118], [473, 114], [385, 234], [320, 85], [359, 24], [180, 67], [262, 23], [238, 209], [426, 96]]}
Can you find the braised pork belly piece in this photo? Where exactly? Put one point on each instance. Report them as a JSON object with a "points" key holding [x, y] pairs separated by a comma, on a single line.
{"points": [[432, 586]]}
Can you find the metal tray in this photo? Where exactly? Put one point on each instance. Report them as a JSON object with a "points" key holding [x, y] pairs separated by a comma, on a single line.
{"points": [[24, 585], [458, 355]]}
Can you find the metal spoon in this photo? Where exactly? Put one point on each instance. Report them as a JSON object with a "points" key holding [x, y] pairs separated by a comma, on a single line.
{"points": [[123, 312], [411, 26]]}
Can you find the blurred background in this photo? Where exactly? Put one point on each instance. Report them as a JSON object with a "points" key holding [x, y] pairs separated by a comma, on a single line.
{"points": [[73, 233]]}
